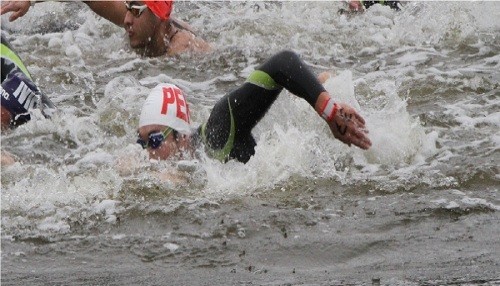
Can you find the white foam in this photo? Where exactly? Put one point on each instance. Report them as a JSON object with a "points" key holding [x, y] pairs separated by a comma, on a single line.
{"points": [[479, 202], [75, 164], [171, 246]]}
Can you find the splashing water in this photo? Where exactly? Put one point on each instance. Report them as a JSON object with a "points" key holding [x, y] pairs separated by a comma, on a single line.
{"points": [[426, 80]]}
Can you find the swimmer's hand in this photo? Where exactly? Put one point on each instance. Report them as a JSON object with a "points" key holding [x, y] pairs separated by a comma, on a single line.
{"points": [[349, 127], [344, 121], [19, 8]]}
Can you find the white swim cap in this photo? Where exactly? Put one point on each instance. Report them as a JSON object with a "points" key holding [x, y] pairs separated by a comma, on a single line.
{"points": [[166, 105]]}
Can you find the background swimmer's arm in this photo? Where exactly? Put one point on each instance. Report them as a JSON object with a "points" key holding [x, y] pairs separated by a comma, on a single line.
{"points": [[19, 8], [113, 11], [110, 10]]}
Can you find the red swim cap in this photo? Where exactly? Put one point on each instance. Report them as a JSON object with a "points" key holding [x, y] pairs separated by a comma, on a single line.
{"points": [[161, 9]]}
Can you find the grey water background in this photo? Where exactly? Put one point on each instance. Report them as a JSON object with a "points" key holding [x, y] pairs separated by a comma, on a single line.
{"points": [[84, 206]]}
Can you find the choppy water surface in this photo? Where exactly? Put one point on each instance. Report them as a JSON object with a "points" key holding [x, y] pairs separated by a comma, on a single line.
{"points": [[83, 205]]}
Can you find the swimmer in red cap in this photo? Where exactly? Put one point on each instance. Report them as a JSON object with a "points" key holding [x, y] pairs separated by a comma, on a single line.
{"points": [[151, 29]]}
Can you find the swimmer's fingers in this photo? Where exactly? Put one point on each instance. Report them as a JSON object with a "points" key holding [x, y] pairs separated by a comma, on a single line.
{"points": [[359, 118], [349, 127], [350, 113], [359, 138], [354, 135], [19, 8]]}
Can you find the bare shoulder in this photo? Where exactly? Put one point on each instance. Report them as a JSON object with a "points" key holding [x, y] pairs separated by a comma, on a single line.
{"points": [[187, 41]]}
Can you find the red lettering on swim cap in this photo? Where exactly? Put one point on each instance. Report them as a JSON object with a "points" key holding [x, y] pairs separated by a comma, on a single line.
{"points": [[161, 9], [173, 95]]}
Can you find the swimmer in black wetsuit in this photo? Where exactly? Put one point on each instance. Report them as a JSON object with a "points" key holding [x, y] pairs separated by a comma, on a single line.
{"points": [[19, 93], [164, 125]]}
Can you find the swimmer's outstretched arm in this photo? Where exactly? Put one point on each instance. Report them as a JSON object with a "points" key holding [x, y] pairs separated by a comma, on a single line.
{"points": [[290, 72]]}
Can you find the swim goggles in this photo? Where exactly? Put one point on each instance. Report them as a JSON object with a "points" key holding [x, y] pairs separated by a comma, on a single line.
{"points": [[136, 10], [155, 139]]}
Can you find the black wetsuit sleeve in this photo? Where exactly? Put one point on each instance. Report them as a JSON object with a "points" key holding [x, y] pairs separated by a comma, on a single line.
{"points": [[291, 73], [243, 108]]}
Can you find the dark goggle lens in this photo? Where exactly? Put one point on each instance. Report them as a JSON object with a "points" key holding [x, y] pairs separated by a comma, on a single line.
{"points": [[154, 139]]}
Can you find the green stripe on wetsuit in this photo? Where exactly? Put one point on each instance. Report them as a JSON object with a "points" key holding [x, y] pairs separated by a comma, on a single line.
{"points": [[262, 79], [7, 53], [221, 154]]}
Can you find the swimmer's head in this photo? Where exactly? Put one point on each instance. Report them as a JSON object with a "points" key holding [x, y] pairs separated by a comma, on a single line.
{"points": [[166, 105], [164, 123]]}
